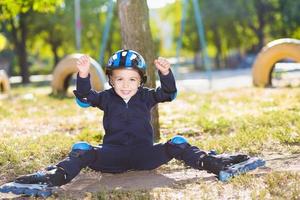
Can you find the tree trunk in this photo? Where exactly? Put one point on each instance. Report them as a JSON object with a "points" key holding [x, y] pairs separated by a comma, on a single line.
{"points": [[54, 48], [218, 44], [22, 53], [136, 35], [260, 11], [19, 36]]}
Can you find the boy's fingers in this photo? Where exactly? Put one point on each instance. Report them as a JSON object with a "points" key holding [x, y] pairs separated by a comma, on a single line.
{"points": [[83, 59], [158, 62], [161, 63]]}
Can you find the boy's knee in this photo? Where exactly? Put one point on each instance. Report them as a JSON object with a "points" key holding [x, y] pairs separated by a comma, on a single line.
{"points": [[81, 149], [177, 146]]}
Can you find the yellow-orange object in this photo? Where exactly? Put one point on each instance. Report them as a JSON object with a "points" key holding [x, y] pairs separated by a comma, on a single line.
{"points": [[4, 82], [67, 67], [269, 55]]}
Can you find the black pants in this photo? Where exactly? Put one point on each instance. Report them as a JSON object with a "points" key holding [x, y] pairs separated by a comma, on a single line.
{"points": [[117, 159]]}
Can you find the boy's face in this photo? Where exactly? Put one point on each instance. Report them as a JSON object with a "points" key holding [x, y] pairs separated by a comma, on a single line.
{"points": [[125, 82]]}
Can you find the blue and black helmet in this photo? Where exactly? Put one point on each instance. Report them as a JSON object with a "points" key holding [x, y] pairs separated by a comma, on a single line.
{"points": [[127, 59]]}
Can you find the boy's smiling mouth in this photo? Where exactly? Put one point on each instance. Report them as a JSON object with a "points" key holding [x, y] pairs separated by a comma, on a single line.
{"points": [[126, 92]]}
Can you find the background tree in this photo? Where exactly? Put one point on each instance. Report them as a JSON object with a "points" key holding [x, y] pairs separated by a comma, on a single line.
{"points": [[218, 16], [14, 15], [136, 35], [237, 26], [54, 29], [258, 15], [287, 22], [57, 29], [40, 32]]}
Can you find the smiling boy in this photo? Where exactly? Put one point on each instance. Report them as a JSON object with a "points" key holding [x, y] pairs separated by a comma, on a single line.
{"points": [[128, 140]]}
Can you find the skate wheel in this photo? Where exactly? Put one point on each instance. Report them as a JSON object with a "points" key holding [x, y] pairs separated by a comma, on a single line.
{"points": [[31, 192], [224, 176], [17, 191], [241, 168], [44, 194], [4, 189]]}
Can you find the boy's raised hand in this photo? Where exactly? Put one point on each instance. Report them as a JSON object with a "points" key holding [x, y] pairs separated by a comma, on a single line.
{"points": [[83, 66], [162, 65]]}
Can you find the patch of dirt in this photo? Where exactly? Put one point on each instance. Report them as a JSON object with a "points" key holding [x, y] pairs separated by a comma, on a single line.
{"points": [[160, 178], [170, 180], [134, 180]]}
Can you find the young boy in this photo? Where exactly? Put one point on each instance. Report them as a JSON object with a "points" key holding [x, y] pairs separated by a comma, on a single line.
{"points": [[128, 140]]}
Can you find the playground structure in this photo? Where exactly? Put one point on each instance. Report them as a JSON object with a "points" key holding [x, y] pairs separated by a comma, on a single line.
{"points": [[4, 82], [201, 35], [65, 69], [285, 48]]}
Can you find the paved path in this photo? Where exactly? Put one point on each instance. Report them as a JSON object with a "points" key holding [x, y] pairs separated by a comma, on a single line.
{"points": [[198, 81], [189, 81]]}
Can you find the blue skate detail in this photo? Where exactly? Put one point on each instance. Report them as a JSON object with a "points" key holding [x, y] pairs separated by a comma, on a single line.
{"points": [[241, 168], [82, 104], [178, 139], [212, 152], [81, 146], [128, 61], [35, 190], [79, 149], [173, 96]]}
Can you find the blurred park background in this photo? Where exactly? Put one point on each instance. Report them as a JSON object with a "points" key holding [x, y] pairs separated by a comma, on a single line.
{"points": [[36, 35], [203, 39]]}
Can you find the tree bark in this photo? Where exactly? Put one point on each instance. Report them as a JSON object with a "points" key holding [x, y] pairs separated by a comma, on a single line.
{"points": [[218, 43], [22, 52], [54, 49], [260, 9], [55, 53], [136, 35], [19, 35]]}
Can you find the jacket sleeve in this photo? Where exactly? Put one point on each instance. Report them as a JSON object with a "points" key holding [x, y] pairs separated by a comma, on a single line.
{"points": [[166, 92], [86, 96]]}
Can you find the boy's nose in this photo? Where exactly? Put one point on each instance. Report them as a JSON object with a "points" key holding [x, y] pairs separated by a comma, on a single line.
{"points": [[125, 84]]}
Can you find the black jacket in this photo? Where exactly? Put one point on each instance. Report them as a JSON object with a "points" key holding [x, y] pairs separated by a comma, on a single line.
{"points": [[127, 123]]}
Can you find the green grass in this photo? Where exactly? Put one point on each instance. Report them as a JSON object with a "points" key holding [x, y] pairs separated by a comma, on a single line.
{"points": [[278, 185], [38, 129], [24, 154], [283, 185], [251, 120], [124, 195]]}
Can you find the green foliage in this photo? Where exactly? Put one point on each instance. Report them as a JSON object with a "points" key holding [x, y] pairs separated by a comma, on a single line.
{"points": [[50, 30], [283, 185], [125, 195], [233, 27], [11, 8], [3, 42]]}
